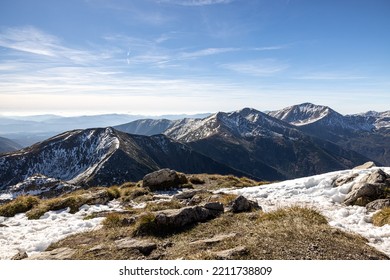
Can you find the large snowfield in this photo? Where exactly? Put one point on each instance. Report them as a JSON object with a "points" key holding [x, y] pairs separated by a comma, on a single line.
{"points": [[33, 236]]}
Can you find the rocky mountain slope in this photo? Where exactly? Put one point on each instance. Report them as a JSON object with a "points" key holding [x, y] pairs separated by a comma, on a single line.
{"points": [[258, 144], [367, 133], [7, 145], [103, 156]]}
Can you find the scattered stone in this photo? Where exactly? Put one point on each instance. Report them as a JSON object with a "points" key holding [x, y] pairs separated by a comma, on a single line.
{"points": [[20, 256], [96, 248], [241, 204], [64, 253], [178, 218], [195, 200], [378, 204], [164, 179], [231, 254], [214, 206], [143, 246], [215, 239], [366, 165], [187, 194], [99, 197], [371, 187], [344, 180]]}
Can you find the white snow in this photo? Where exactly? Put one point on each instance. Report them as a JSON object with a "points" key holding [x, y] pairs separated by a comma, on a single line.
{"points": [[34, 236], [35, 185], [317, 192]]}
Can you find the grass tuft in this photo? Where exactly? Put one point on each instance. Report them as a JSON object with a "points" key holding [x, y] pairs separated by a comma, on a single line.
{"points": [[19, 205], [114, 192], [293, 213], [145, 225], [163, 205], [382, 217], [113, 220]]}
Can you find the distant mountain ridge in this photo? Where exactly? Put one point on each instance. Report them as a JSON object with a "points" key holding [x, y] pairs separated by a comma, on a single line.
{"points": [[366, 133], [296, 141], [7, 145], [28, 130], [258, 144], [103, 156]]}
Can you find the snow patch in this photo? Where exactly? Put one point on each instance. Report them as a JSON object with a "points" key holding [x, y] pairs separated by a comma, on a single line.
{"points": [[318, 192], [34, 236]]}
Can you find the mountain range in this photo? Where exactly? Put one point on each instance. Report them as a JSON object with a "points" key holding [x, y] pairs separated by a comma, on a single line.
{"points": [[255, 143], [27, 130], [367, 133], [103, 156], [296, 141]]}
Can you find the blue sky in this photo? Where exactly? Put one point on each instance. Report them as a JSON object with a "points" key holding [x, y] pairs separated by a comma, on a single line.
{"points": [[185, 56]]}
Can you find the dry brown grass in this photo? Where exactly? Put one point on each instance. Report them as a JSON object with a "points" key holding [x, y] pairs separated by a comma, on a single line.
{"points": [[382, 217], [19, 205], [289, 233], [216, 181], [163, 205]]}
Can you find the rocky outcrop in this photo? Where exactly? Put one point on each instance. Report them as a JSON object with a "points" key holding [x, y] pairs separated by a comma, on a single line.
{"points": [[241, 204], [344, 179], [214, 206], [366, 165], [176, 219], [378, 204], [64, 253], [99, 197], [20, 256], [164, 179], [143, 246], [371, 187]]}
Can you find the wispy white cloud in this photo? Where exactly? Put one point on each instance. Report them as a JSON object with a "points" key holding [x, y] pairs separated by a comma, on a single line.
{"points": [[30, 40], [260, 68], [206, 52]]}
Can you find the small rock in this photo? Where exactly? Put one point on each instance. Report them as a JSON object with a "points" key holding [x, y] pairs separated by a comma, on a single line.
{"points": [[195, 200], [64, 253], [241, 204], [178, 218], [214, 206], [96, 248], [20, 256], [378, 204], [366, 165], [344, 180], [187, 194], [164, 179], [231, 254], [143, 246], [1, 225], [371, 187]]}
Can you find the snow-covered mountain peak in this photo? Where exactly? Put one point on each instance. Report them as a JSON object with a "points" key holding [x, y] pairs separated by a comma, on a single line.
{"points": [[245, 123], [66, 156], [303, 114]]}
